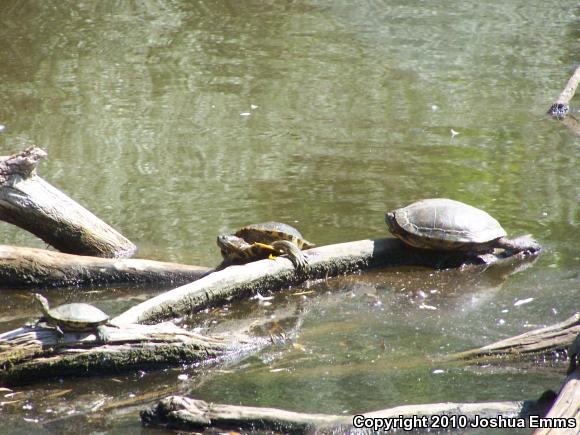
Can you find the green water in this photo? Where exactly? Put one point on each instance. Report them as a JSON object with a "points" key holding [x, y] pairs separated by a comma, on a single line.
{"points": [[174, 121]]}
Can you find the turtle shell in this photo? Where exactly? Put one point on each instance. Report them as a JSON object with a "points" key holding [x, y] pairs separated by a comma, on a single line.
{"points": [[77, 316], [269, 232], [444, 224]]}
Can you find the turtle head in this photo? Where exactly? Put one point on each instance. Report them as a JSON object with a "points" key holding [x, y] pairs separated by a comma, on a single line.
{"points": [[391, 221], [42, 301], [230, 245]]}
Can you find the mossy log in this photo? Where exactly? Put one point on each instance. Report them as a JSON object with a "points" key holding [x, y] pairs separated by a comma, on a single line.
{"points": [[236, 282], [30, 354], [183, 413], [31, 203], [540, 341], [29, 267]]}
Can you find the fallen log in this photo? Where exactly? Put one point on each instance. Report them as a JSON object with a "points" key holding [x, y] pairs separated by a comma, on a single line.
{"points": [[183, 413], [31, 203], [542, 341], [236, 282], [34, 353], [29, 267]]}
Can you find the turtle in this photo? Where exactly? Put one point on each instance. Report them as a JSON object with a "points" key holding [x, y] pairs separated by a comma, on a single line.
{"points": [[74, 317], [448, 225], [265, 240]]}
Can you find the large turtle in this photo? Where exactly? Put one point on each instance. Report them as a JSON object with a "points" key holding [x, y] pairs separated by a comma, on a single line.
{"points": [[74, 317], [258, 241], [445, 224]]}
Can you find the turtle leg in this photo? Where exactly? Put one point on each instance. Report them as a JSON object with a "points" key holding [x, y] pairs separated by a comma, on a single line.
{"points": [[296, 255], [59, 333], [264, 246], [102, 334]]}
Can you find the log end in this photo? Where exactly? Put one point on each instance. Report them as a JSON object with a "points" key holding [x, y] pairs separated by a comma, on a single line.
{"points": [[558, 111]]}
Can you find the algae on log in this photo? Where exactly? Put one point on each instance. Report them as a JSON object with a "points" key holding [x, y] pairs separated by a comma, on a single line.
{"points": [[183, 413], [29, 202], [236, 282], [543, 341], [31, 267], [31, 354]]}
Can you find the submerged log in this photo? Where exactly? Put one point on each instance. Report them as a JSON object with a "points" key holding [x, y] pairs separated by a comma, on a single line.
{"points": [[236, 282], [34, 353], [183, 413], [543, 341], [29, 202], [30, 267]]}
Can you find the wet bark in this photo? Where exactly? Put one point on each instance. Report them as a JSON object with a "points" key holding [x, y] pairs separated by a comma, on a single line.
{"points": [[543, 341], [29, 202], [32, 268], [237, 282], [183, 413]]}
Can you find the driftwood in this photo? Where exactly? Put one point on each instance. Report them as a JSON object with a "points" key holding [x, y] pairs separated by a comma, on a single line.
{"points": [[31, 354], [560, 108], [30, 267], [236, 282], [183, 413], [29, 202], [543, 341]]}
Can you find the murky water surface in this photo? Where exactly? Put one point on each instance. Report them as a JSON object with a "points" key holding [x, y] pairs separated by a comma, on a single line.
{"points": [[176, 120]]}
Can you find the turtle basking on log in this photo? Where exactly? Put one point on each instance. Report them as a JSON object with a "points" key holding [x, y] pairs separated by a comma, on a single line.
{"points": [[265, 240], [76, 317], [448, 225]]}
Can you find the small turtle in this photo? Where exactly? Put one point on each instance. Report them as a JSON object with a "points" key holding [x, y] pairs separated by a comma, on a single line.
{"points": [[74, 317], [445, 224], [265, 240]]}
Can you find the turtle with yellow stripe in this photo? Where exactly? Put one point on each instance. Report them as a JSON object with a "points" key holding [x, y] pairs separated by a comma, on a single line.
{"points": [[265, 240]]}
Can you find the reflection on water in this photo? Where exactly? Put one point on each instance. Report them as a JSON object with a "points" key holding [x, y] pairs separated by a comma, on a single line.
{"points": [[175, 121]]}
